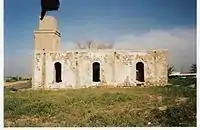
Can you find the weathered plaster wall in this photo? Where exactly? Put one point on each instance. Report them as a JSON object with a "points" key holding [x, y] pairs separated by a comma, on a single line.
{"points": [[161, 67], [47, 36], [37, 71], [48, 40], [85, 63], [117, 68]]}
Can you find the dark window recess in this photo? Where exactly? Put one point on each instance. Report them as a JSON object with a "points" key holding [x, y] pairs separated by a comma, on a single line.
{"points": [[140, 71], [58, 70], [96, 72]]}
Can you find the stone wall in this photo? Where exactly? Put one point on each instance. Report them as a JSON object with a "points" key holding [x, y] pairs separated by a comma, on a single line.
{"points": [[117, 68]]}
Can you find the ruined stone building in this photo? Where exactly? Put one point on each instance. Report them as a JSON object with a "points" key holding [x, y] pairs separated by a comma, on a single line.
{"points": [[54, 68]]}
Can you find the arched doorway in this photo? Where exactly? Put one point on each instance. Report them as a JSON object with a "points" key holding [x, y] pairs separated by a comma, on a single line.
{"points": [[140, 71], [96, 72], [58, 71]]}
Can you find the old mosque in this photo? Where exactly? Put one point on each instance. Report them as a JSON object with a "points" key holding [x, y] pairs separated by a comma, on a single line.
{"points": [[54, 68]]}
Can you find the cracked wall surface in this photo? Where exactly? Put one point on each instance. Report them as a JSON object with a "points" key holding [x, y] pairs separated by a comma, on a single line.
{"points": [[117, 68]]}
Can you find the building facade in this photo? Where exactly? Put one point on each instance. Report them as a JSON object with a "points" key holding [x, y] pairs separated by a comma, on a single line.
{"points": [[57, 69]]}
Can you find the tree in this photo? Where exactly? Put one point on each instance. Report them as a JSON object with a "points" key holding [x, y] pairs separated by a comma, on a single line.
{"points": [[170, 69], [91, 45], [105, 46], [86, 45], [193, 68]]}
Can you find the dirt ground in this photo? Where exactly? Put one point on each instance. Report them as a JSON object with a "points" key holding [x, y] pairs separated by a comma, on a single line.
{"points": [[6, 84]]}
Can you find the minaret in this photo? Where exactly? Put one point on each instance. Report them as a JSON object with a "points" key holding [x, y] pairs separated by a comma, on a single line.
{"points": [[47, 37]]}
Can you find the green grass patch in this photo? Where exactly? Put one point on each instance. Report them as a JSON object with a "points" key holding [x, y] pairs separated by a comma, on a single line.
{"points": [[103, 106]]}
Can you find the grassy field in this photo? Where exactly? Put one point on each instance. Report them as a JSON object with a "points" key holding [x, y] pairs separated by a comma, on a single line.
{"points": [[173, 105]]}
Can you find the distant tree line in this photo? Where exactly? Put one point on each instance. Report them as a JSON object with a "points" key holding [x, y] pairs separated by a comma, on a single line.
{"points": [[14, 78]]}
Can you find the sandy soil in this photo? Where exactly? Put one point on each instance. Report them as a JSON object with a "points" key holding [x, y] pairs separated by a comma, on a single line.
{"points": [[14, 83]]}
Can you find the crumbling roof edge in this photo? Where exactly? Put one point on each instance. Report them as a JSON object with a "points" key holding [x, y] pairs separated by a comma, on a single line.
{"points": [[106, 50]]}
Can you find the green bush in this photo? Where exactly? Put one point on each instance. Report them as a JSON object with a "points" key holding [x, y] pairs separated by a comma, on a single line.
{"points": [[178, 115]]}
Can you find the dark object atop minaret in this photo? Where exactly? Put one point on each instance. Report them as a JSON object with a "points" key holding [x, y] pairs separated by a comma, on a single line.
{"points": [[49, 5]]}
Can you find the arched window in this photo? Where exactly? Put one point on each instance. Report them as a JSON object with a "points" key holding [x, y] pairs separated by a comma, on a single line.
{"points": [[140, 71], [96, 72], [58, 71]]}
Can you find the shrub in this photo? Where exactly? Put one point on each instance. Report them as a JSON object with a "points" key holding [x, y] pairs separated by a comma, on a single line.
{"points": [[179, 115]]}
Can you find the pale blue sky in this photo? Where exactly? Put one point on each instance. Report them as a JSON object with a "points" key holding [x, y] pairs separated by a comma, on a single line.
{"points": [[103, 20]]}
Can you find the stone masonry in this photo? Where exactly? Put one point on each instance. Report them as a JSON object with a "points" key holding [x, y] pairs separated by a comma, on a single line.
{"points": [[57, 69]]}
